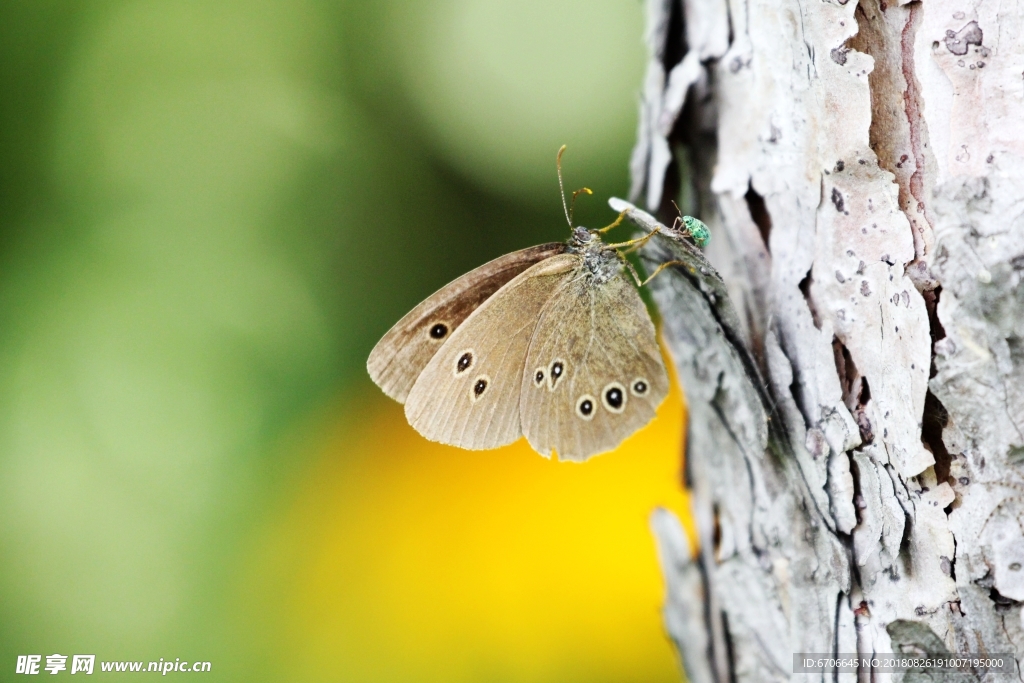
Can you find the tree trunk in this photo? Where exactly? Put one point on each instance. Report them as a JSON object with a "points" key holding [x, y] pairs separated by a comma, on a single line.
{"points": [[854, 361]]}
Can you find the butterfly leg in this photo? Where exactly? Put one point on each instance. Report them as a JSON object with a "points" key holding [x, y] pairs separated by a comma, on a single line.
{"points": [[660, 268], [635, 247], [636, 276], [639, 242], [615, 224]]}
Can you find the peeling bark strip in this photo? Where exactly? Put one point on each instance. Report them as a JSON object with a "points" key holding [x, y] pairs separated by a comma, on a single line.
{"points": [[854, 360]]}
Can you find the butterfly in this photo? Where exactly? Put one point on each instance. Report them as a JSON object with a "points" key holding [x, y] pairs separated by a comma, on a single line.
{"points": [[552, 343]]}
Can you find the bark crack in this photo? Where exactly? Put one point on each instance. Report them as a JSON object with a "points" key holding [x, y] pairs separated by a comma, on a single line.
{"points": [[912, 102], [898, 133]]}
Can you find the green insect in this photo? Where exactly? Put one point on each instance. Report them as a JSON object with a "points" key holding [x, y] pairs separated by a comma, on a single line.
{"points": [[697, 230]]}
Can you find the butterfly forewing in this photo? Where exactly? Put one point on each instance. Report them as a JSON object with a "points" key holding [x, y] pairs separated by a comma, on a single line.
{"points": [[402, 354], [593, 373], [468, 394]]}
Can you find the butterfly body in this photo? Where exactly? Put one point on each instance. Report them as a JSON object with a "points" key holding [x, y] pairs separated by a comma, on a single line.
{"points": [[600, 263], [551, 342]]}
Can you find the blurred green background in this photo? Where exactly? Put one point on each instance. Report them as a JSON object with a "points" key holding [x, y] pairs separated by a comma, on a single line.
{"points": [[209, 212]]}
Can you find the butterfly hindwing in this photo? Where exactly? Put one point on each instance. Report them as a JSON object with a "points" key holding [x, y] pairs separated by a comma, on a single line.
{"points": [[402, 354], [468, 394], [593, 373]]}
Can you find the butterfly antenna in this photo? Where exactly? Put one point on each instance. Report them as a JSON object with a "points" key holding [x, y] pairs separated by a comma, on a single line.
{"points": [[572, 204], [561, 186]]}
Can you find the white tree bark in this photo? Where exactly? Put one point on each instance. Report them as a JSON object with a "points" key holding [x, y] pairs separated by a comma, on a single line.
{"points": [[854, 368]]}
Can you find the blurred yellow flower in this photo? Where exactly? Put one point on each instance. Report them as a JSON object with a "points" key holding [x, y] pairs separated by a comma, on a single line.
{"points": [[408, 560]]}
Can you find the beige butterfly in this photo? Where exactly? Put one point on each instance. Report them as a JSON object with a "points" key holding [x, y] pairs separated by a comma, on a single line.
{"points": [[551, 342]]}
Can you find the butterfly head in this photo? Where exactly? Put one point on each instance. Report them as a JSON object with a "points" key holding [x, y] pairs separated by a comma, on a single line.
{"points": [[582, 237]]}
